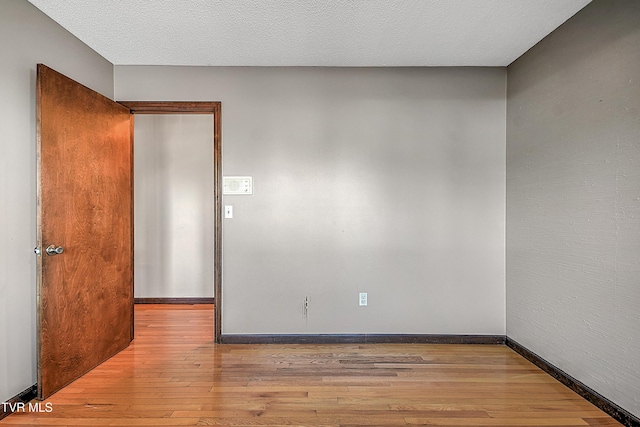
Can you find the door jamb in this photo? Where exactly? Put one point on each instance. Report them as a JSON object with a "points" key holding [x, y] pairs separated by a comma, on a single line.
{"points": [[215, 108]]}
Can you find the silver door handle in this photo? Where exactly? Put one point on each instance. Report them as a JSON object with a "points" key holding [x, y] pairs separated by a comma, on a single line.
{"points": [[53, 250]]}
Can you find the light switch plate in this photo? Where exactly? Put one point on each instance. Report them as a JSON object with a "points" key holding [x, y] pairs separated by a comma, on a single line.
{"points": [[228, 211]]}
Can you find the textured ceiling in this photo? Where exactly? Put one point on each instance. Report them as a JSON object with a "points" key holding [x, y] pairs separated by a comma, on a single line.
{"points": [[311, 32]]}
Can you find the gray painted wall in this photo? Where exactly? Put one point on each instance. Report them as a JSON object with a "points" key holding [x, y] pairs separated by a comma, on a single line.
{"points": [[28, 37], [573, 199], [385, 181], [173, 193]]}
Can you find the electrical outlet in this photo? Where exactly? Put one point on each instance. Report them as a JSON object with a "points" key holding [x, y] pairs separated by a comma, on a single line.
{"points": [[363, 299]]}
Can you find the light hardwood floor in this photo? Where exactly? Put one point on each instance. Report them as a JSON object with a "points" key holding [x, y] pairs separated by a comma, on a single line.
{"points": [[173, 374]]}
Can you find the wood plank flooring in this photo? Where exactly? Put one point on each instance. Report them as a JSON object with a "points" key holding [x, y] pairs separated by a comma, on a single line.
{"points": [[173, 375]]}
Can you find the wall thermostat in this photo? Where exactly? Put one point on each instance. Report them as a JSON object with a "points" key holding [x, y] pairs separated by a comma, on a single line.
{"points": [[237, 185]]}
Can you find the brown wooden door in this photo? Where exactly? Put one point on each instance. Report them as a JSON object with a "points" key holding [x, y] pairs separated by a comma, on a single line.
{"points": [[85, 294]]}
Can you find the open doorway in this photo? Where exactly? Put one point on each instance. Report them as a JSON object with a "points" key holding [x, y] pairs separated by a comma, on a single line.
{"points": [[173, 249], [173, 208]]}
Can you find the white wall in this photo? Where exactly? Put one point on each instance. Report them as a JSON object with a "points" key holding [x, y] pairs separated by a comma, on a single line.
{"points": [[386, 181], [573, 199], [28, 37], [173, 194]]}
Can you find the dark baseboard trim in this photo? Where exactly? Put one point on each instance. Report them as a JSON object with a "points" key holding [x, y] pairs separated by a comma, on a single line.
{"points": [[361, 339], [174, 300], [619, 414], [25, 397]]}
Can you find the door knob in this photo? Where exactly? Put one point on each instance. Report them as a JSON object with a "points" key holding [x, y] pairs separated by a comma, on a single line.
{"points": [[53, 250]]}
